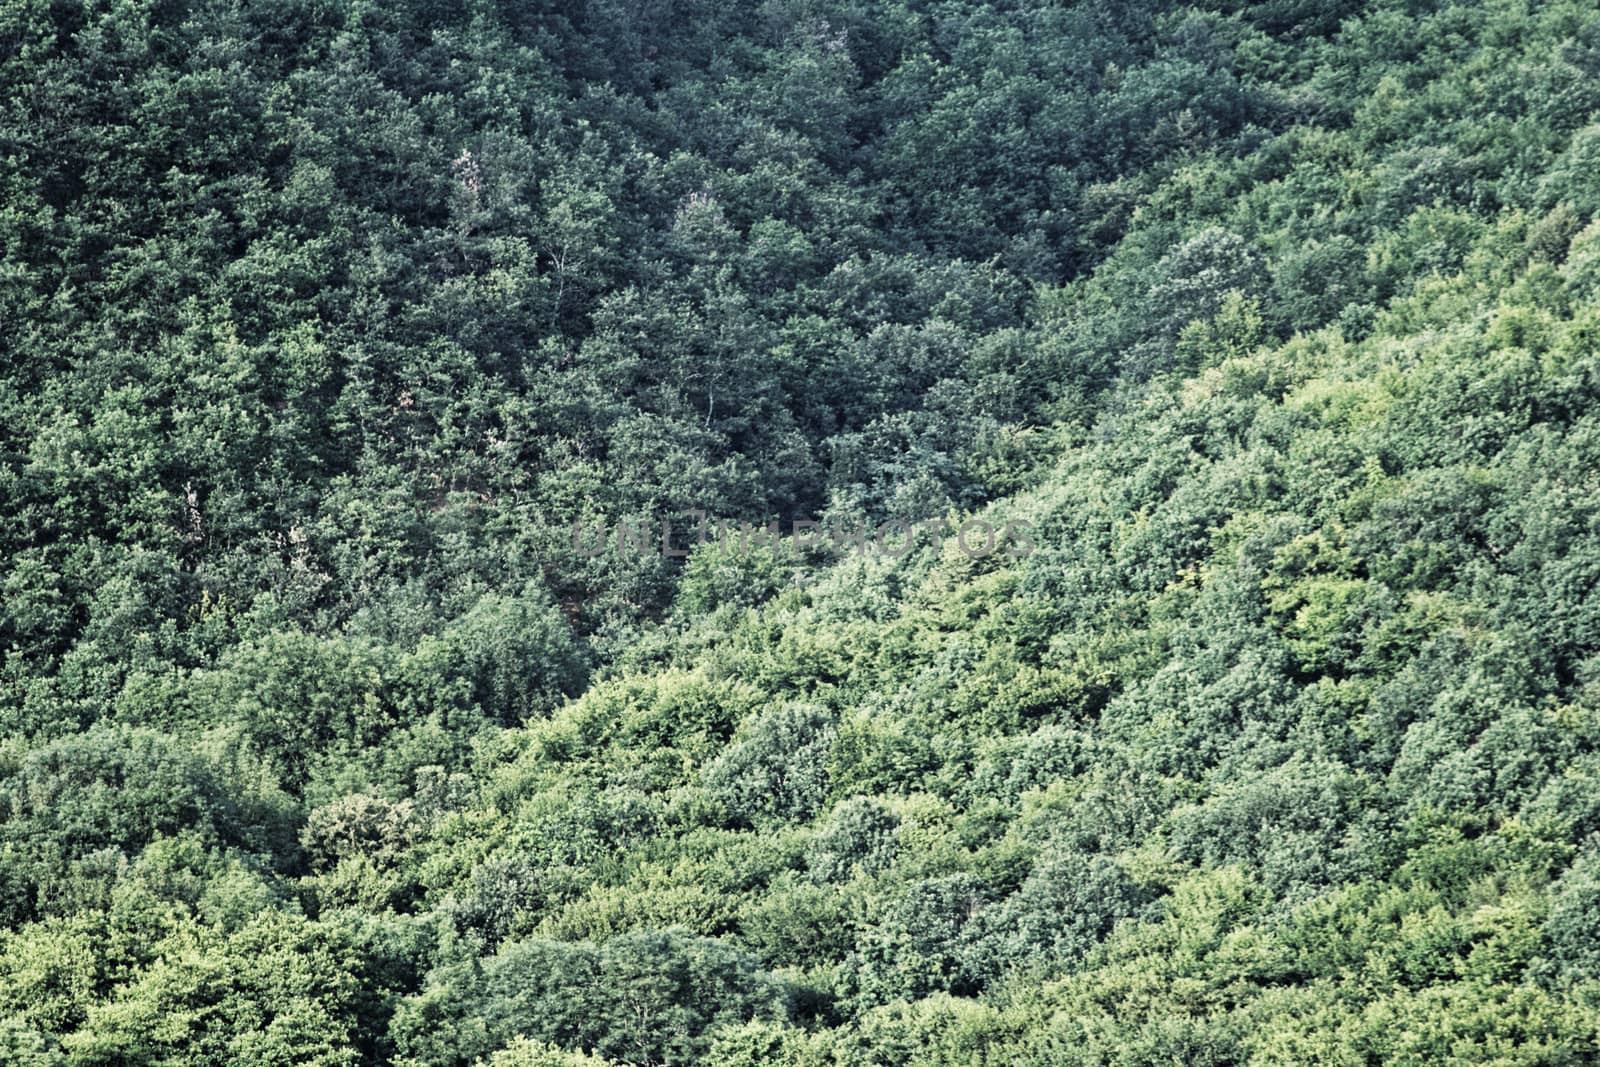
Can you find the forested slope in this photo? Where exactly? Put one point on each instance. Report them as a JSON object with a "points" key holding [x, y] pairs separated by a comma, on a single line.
{"points": [[321, 742]]}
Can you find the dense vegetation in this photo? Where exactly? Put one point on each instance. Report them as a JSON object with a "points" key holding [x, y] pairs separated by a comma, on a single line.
{"points": [[321, 742]]}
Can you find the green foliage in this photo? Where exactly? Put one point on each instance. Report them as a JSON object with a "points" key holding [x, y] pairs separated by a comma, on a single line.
{"points": [[323, 742], [858, 835], [644, 997], [777, 766], [525, 1053]]}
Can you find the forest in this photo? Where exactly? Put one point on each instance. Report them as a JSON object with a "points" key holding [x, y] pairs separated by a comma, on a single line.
{"points": [[1263, 337]]}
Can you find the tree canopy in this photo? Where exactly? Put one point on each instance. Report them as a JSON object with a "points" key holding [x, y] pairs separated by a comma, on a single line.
{"points": [[323, 740]]}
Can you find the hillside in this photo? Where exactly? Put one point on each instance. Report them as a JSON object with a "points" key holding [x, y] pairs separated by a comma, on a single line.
{"points": [[324, 741]]}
